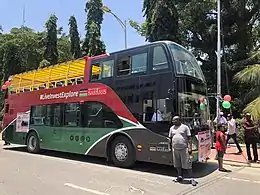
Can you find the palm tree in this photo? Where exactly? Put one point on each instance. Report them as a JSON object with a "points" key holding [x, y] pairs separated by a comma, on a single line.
{"points": [[251, 77]]}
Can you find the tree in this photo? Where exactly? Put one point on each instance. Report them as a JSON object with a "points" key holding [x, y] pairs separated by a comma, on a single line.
{"points": [[250, 78], [197, 29], [51, 52], [74, 38], [92, 44]]}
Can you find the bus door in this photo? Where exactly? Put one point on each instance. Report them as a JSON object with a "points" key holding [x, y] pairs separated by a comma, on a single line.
{"points": [[56, 128], [72, 132], [130, 67], [157, 91]]}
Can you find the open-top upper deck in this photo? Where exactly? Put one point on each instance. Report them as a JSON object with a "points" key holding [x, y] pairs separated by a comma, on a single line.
{"points": [[63, 74]]}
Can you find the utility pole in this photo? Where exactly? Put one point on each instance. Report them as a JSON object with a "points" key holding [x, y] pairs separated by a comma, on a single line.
{"points": [[23, 23], [218, 59]]}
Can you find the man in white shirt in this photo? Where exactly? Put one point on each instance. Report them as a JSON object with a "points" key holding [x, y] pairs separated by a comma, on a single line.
{"points": [[221, 120], [232, 132]]}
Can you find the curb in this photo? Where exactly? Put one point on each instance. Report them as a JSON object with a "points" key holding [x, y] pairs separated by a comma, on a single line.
{"points": [[236, 164]]}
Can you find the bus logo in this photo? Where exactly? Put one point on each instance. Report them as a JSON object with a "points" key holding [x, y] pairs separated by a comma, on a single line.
{"points": [[93, 92]]}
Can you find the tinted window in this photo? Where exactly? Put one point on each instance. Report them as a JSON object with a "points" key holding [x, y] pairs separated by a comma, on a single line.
{"points": [[98, 115], [57, 115], [6, 108], [41, 115], [185, 62], [159, 58], [123, 66], [108, 67], [72, 115], [139, 63]]}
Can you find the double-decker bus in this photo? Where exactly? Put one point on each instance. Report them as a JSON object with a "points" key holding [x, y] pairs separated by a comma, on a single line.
{"points": [[118, 106]]}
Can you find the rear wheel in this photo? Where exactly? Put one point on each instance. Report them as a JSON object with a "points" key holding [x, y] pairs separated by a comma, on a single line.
{"points": [[122, 152], [33, 143]]}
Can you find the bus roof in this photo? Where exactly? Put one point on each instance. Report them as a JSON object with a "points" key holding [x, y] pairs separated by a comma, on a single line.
{"points": [[62, 71]]}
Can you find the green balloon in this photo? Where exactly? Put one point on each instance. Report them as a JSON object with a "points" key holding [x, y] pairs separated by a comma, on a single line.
{"points": [[226, 105], [10, 87], [202, 106]]}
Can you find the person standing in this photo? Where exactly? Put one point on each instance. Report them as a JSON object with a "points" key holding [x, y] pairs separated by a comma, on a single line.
{"points": [[232, 132], [220, 147], [250, 136], [221, 119], [180, 139]]}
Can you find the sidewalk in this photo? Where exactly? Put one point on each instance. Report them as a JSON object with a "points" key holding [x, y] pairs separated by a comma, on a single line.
{"points": [[231, 158]]}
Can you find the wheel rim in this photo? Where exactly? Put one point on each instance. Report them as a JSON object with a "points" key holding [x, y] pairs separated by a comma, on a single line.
{"points": [[121, 152], [32, 143]]}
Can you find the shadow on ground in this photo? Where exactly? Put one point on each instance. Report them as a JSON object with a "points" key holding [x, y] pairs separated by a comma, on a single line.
{"points": [[199, 169]]}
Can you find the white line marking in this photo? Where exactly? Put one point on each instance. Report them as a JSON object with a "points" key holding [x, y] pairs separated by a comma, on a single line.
{"points": [[243, 180], [133, 189], [85, 189]]}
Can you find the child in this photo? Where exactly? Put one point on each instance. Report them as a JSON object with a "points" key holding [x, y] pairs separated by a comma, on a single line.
{"points": [[220, 147]]}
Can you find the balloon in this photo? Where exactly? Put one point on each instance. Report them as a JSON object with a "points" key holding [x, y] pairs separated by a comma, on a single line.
{"points": [[3, 87], [202, 106], [10, 87], [201, 99], [7, 83], [226, 104], [227, 98]]}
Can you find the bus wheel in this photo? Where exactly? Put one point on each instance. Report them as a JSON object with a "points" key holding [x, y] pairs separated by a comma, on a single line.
{"points": [[33, 143], [122, 152]]}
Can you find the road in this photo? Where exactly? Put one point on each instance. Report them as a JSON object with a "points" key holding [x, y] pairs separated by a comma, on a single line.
{"points": [[54, 173]]}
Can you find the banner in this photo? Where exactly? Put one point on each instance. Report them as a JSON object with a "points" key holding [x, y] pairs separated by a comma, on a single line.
{"points": [[22, 122], [204, 139]]}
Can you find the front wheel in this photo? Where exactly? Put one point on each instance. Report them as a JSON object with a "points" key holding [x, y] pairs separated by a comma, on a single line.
{"points": [[122, 152], [33, 143]]}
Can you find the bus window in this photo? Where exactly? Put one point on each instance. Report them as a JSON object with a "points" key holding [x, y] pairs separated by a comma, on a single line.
{"points": [[159, 58], [41, 115], [163, 112], [123, 66], [139, 63], [72, 115], [57, 115], [100, 116], [96, 70], [108, 67], [6, 108]]}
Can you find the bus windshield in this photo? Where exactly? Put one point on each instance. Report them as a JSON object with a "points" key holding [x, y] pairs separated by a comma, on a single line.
{"points": [[189, 105], [185, 62]]}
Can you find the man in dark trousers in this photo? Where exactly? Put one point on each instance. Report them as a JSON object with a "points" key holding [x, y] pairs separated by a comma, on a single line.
{"points": [[180, 139], [232, 132], [250, 132]]}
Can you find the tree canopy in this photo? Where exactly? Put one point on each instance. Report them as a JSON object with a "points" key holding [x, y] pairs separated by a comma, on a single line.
{"points": [[193, 23], [93, 45]]}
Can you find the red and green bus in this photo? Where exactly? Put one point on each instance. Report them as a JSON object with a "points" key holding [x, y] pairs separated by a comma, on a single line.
{"points": [[118, 106]]}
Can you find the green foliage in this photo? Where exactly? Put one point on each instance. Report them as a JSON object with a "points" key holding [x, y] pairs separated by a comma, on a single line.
{"points": [[74, 38], [240, 131], [92, 44], [250, 76], [193, 23], [51, 51]]}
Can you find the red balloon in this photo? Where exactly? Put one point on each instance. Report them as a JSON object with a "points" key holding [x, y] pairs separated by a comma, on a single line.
{"points": [[7, 83], [201, 99], [4, 87], [227, 98]]}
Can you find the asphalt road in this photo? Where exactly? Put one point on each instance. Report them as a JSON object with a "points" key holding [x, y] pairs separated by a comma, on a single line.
{"points": [[53, 173]]}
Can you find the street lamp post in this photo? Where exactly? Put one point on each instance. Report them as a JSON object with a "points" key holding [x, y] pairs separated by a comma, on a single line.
{"points": [[122, 24], [218, 59]]}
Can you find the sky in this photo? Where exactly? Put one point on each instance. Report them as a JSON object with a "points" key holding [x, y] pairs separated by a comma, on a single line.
{"points": [[37, 13]]}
